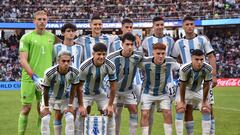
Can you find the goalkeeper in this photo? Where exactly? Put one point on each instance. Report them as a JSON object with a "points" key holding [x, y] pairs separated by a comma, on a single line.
{"points": [[35, 57]]}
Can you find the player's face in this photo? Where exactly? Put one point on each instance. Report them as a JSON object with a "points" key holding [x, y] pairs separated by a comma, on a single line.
{"points": [[127, 27], [197, 62], [64, 63], [128, 47], [159, 56], [69, 34], [188, 26], [40, 22], [158, 27], [96, 26], [99, 58]]}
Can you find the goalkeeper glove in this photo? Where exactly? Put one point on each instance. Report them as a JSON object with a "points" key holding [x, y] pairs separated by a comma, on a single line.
{"points": [[38, 82]]}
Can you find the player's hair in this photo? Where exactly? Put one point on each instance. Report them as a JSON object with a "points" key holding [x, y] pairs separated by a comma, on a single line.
{"points": [[128, 36], [188, 18], [63, 52], [197, 52], [68, 26], [157, 18], [96, 17], [126, 20], [159, 46], [40, 12], [100, 47]]}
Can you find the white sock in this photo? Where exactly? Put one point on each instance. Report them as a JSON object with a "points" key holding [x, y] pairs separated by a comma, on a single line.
{"points": [[79, 124], [212, 132], [118, 119], [179, 123], [189, 127], [145, 130], [167, 129], [206, 124], [133, 122], [151, 114], [58, 129], [45, 129], [111, 125], [69, 129]]}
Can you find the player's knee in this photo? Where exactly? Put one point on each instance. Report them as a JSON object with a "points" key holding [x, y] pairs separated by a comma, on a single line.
{"points": [[134, 119], [57, 122], [26, 109], [145, 116]]}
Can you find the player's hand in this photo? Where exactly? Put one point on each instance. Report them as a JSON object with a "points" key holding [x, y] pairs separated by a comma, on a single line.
{"points": [[181, 107], [70, 109], [82, 111], [138, 41], [214, 81], [109, 111], [38, 82], [45, 112], [206, 108]]}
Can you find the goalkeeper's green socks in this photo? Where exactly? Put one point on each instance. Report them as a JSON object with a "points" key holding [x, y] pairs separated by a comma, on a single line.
{"points": [[22, 124]]}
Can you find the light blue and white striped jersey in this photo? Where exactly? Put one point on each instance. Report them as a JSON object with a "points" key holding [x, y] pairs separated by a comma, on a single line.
{"points": [[76, 51], [126, 69], [184, 47], [117, 45], [148, 42], [157, 76], [88, 42], [194, 78], [93, 76], [59, 83]]}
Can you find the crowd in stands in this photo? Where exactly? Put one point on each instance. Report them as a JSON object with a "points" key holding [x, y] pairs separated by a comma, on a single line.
{"points": [[226, 46], [227, 50], [10, 69], [115, 10]]}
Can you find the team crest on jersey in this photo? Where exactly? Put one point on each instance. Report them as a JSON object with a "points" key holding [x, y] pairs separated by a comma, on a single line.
{"points": [[50, 41]]}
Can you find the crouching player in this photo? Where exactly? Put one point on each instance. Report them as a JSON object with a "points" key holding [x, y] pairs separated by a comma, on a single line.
{"points": [[55, 96], [157, 79], [92, 73], [192, 75]]}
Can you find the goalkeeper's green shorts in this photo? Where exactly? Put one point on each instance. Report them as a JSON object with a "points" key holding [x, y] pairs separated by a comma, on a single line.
{"points": [[28, 92]]}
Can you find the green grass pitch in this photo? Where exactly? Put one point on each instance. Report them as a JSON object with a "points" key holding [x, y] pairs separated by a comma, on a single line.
{"points": [[227, 114]]}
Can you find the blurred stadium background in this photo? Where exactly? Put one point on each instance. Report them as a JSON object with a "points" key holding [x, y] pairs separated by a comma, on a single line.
{"points": [[218, 19]]}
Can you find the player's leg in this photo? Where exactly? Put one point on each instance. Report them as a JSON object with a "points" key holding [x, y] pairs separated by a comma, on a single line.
{"points": [[58, 122], [178, 117], [69, 118], [118, 106], [189, 123], [27, 96], [131, 102], [165, 105], [45, 127], [151, 117], [206, 121], [211, 100], [78, 122], [38, 98], [146, 103]]}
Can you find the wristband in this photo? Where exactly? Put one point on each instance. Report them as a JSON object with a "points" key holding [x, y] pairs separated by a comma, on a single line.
{"points": [[70, 105], [46, 107]]}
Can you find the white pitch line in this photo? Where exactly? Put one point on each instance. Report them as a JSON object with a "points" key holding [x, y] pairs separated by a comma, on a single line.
{"points": [[225, 108]]}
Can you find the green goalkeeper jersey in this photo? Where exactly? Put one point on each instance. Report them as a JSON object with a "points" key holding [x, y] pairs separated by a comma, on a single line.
{"points": [[39, 49]]}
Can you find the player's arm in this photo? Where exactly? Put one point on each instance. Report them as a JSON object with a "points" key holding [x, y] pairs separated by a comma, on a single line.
{"points": [[212, 62], [24, 63], [81, 108], [111, 98], [206, 87], [45, 111]]}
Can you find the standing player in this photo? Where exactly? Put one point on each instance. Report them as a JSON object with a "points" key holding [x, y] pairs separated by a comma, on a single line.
{"points": [[157, 86], [183, 48], [126, 61], [157, 37], [58, 79], [192, 75], [88, 41], [92, 73], [69, 32], [36, 49]]}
